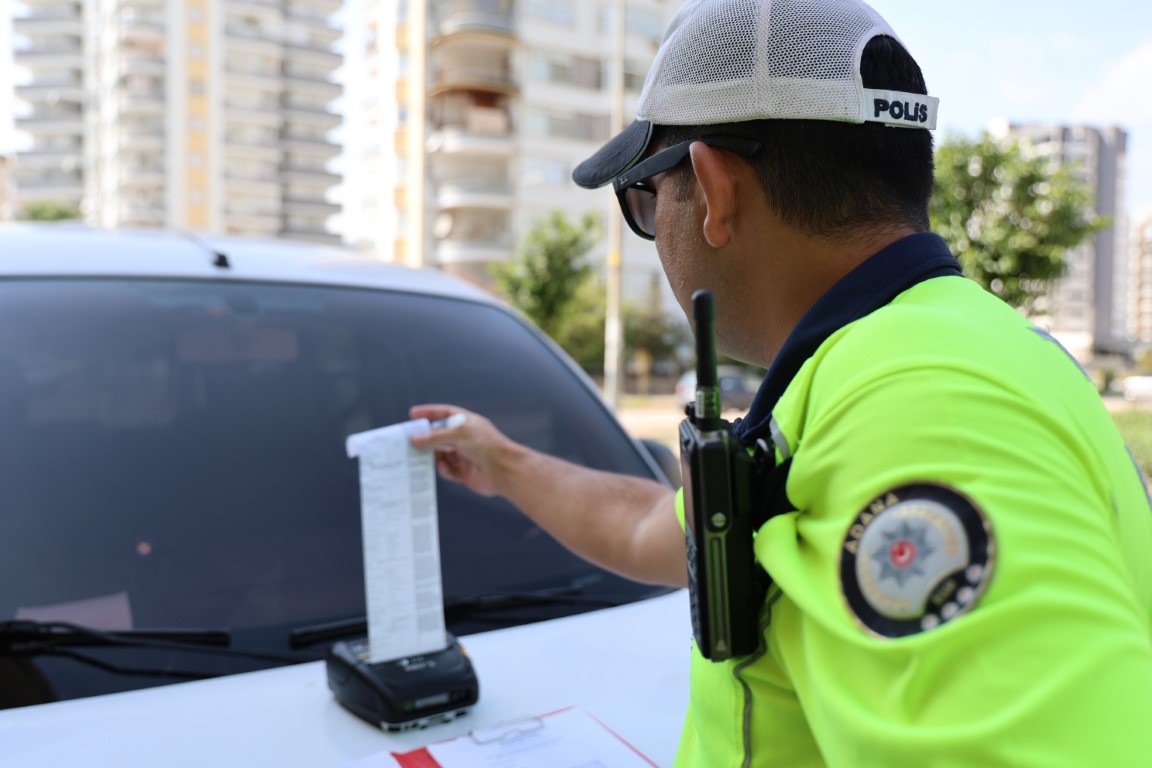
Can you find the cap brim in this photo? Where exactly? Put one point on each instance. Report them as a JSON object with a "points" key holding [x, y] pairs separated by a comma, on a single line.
{"points": [[615, 157]]}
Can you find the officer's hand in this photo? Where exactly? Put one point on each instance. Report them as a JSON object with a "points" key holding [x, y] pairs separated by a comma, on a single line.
{"points": [[466, 453]]}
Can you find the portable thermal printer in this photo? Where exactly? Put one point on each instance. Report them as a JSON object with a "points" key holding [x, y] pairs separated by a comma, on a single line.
{"points": [[403, 694]]}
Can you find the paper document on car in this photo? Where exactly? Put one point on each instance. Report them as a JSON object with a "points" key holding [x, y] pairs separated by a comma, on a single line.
{"points": [[402, 580], [568, 738]]}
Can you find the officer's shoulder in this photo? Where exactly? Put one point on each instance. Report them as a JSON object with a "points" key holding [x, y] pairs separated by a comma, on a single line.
{"points": [[938, 319]]}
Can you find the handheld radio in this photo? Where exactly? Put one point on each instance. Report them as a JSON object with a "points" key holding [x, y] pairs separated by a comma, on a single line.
{"points": [[721, 489]]}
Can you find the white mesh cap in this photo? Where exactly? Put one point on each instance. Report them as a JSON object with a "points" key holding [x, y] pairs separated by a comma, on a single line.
{"points": [[727, 61]]}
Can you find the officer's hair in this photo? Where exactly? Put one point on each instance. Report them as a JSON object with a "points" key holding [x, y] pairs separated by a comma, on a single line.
{"points": [[831, 179]]}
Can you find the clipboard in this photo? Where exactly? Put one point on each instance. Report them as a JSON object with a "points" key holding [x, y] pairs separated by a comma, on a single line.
{"points": [[565, 738]]}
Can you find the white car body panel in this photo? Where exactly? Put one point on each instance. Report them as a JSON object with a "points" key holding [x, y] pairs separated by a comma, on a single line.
{"points": [[627, 666]]}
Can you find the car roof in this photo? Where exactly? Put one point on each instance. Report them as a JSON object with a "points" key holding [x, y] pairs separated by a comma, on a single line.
{"points": [[70, 249]]}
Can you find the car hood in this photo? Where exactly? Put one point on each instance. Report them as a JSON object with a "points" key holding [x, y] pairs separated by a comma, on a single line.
{"points": [[627, 666]]}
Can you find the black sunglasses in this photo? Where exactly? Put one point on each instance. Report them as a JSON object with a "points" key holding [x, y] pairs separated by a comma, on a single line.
{"points": [[638, 199]]}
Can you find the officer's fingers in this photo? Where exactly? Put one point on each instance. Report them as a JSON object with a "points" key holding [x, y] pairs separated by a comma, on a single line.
{"points": [[432, 411]]}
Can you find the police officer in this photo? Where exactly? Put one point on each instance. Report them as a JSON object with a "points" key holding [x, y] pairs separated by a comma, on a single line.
{"points": [[966, 577]]}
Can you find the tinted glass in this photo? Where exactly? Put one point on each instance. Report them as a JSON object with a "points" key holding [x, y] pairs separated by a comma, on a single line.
{"points": [[177, 448]]}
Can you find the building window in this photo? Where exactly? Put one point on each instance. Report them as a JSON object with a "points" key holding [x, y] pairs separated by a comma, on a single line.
{"points": [[637, 21], [545, 171], [644, 23], [555, 11], [557, 68], [566, 125]]}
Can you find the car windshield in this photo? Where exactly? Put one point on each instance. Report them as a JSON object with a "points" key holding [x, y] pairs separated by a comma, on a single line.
{"points": [[172, 452]]}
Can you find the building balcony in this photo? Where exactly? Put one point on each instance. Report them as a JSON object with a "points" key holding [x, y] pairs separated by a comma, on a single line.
{"points": [[475, 17], [473, 251], [245, 39], [309, 234], [457, 78], [310, 206], [320, 151], [250, 114], [140, 138], [49, 79], [37, 161], [131, 214], [149, 177], [142, 64], [319, 87], [256, 78], [252, 224], [269, 150], [244, 5], [150, 7], [255, 174], [312, 118], [40, 92], [317, 11], [51, 7], [143, 30], [461, 141], [63, 23], [53, 57], [474, 194], [52, 121], [33, 183], [308, 112], [316, 36], [151, 102], [317, 55], [315, 175]]}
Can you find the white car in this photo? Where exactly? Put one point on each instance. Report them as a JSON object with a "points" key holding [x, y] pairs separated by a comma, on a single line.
{"points": [[180, 531]]}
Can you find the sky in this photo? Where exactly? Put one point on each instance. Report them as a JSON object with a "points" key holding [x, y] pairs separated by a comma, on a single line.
{"points": [[1052, 62], [1056, 61]]}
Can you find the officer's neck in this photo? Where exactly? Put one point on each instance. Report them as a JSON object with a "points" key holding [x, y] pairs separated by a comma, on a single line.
{"points": [[800, 269]]}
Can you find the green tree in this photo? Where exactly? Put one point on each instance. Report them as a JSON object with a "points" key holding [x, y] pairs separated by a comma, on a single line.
{"points": [[650, 329], [553, 284], [49, 210], [550, 269], [582, 332], [1009, 215]]}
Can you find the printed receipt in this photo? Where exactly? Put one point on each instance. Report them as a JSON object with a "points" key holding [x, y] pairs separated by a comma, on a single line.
{"points": [[402, 581]]}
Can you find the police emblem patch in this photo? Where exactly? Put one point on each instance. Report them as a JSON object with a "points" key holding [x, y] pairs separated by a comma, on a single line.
{"points": [[914, 558]]}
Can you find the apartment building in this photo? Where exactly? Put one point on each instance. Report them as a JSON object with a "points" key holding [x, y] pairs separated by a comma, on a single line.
{"points": [[5, 188], [211, 115], [1089, 307], [475, 113], [1140, 259]]}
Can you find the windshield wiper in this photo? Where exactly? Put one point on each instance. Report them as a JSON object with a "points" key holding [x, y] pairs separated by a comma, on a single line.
{"points": [[18, 634], [455, 608], [34, 638]]}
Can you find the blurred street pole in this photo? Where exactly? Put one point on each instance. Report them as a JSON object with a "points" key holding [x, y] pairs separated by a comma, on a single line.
{"points": [[613, 322]]}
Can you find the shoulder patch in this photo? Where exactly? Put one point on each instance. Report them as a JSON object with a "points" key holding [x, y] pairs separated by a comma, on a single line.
{"points": [[915, 557]]}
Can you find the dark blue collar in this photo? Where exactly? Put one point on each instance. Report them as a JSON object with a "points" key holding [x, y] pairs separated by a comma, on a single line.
{"points": [[871, 285]]}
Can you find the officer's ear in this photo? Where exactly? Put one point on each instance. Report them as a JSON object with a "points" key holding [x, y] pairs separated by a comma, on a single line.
{"points": [[718, 175]]}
